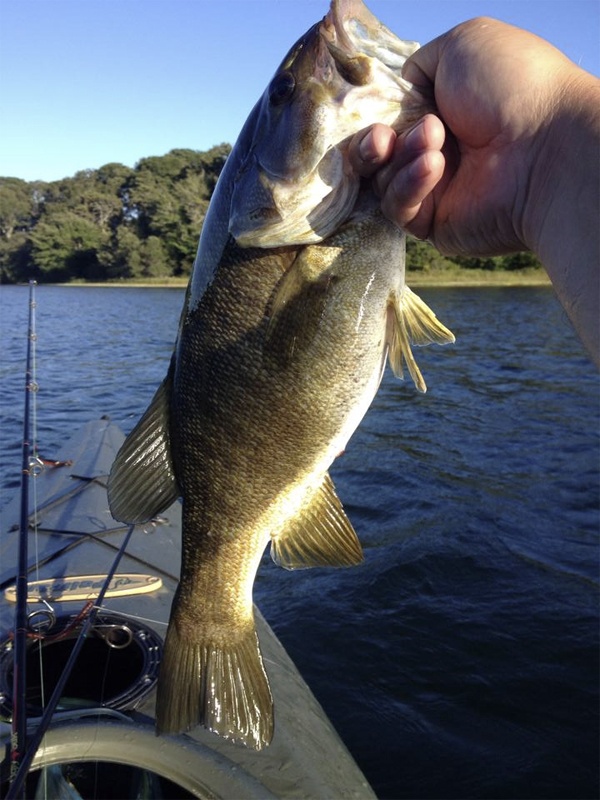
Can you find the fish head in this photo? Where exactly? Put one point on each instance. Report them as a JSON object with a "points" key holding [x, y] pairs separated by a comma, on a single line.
{"points": [[295, 184]]}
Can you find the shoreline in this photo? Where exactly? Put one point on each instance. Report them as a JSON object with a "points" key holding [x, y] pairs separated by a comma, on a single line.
{"points": [[473, 278], [438, 279]]}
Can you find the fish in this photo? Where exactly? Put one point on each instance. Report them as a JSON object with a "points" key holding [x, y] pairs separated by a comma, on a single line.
{"points": [[296, 302]]}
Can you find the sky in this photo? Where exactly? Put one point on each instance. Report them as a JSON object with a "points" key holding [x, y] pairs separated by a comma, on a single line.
{"points": [[88, 82]]}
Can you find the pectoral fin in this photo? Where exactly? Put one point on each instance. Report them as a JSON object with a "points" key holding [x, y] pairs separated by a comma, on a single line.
{"points": [[321, 535], [297, 306], [412, 322], [142, 481]]}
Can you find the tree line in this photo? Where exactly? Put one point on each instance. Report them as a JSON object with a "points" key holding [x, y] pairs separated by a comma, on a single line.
{"points": [[118, 223]]}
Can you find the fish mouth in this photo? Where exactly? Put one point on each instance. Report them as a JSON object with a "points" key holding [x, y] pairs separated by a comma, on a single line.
{"points": [[296, 185]]}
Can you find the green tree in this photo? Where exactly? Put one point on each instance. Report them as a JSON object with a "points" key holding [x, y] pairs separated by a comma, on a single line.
{"points": [[110, 223], [120, 255], [422, 256], [524, 260], [154, 259], [19, 210], [16, 206], [66, 245], [168, 198], [117, 223], [15, 259], [92, 194]]}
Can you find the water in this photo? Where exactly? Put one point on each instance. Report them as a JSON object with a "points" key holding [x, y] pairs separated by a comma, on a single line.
{"points": [[461, 660]]}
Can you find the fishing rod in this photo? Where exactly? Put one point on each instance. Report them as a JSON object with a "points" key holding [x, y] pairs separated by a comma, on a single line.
{"points": [[19, 715], [23, 750]]}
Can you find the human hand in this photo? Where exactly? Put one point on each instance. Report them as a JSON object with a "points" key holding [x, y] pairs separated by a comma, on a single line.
{"points": [[467, 185]]}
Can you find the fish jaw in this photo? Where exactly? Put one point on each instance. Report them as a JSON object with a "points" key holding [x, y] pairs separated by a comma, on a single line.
{"points": [[295, 185]]}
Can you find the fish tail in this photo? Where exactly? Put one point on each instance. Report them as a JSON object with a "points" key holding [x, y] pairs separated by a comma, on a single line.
{"points": [[221, 686]]}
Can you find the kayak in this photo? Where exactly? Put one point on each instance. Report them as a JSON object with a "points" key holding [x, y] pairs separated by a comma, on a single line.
{"points": [[100, 741]]}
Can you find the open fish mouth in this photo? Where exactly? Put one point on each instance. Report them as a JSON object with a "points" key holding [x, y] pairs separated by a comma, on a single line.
{"points": [[295, 185]]}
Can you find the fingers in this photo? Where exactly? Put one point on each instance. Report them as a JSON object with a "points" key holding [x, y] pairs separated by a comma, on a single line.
{"points": [[405, 170], [371, 148], [427, 135], [408, 198], [421, 67]]}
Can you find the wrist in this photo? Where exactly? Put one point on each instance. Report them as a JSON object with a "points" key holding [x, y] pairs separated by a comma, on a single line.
{"points": [[564, 161], [560, 222]]}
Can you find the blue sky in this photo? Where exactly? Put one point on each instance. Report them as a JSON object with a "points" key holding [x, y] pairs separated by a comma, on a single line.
{"points": [[87, 82]]}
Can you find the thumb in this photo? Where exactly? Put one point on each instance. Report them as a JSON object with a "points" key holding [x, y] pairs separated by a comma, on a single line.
{"points": [[421, 68]]}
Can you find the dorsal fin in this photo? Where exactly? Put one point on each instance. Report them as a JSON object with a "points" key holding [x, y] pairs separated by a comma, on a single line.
{"points": [[142, 481], [411, 321], [321, 535]]}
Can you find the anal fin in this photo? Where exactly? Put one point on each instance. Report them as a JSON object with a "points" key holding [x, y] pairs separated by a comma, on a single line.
{"points": [[321, 535], [142, 481], [412, 322]]}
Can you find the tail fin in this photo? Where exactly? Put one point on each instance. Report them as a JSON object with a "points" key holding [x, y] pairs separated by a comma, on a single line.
{"points": [[225, 689]]}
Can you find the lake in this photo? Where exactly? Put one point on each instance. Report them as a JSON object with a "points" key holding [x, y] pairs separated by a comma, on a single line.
{"points": [[461, 659]]}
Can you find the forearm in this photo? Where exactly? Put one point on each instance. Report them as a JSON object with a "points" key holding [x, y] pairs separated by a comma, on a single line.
{"points": [[562, 223]]}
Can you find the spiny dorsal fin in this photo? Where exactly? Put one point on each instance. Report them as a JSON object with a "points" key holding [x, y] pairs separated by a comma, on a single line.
{"points": [[321, 535], [223, 687], [411, 321], [142, 482]]}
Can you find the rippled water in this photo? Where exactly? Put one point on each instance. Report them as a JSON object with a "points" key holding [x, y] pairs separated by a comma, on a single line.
{"points": [[461, 660]]}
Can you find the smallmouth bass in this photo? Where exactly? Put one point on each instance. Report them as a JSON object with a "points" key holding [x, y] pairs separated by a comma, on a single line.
{"points": [[296, 301]]}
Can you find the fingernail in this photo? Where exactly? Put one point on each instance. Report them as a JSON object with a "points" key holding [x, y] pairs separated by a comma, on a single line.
{"points": [[405, 180], [414, 138], [367, 148], [418, 169]]}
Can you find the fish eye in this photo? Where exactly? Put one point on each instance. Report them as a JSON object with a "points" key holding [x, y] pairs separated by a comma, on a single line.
{"points": [[281, 88]]}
